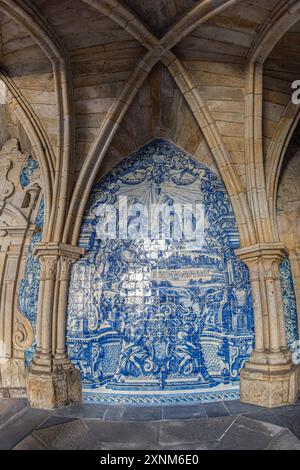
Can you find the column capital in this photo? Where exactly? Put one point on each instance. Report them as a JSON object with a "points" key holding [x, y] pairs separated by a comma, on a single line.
{"points": [[59, 250], [264, 251]]}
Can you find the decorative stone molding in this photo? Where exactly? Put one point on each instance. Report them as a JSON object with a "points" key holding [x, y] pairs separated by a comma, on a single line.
{"points": [[58, 249], [11, 147], [56, 259], [17, 204], [23, 333], [11, 159], [13, 219], [7, 187], [263, 260], [269, 386]]}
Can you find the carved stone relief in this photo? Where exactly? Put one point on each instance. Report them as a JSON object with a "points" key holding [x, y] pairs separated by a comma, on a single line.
{"points": [[6, 187], [23, 333], [20, 198]]}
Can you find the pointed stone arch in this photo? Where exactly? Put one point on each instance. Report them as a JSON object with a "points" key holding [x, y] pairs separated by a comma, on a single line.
{"points": [[37, 136], [285, 15], [30, 19], [159, 50], [276, 153]]}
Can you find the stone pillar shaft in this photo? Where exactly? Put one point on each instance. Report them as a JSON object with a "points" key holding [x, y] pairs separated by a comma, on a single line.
{"points": [[52, 381], [269, 378], [259, 327], [48, 276], [61, 323]]}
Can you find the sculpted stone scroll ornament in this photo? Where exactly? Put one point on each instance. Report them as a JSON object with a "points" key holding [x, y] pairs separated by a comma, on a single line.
{"points": [[23, 333], [20, 186], [10, 147], [10, 159], [6, 187]]}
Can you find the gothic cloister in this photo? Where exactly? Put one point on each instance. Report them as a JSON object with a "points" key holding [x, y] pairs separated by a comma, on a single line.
{"points": [[156, 101]]}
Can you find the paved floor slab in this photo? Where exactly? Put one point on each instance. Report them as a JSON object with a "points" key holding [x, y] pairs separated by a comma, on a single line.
{"points": [[22, 425], [222, 425]]}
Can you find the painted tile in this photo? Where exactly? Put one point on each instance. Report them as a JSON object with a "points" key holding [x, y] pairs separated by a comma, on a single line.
{"points": [[29, 285], [289, 303], [160, 321]]}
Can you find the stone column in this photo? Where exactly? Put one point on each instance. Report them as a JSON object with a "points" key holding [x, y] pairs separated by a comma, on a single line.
{"points": [[269, 378], [52, 381], [61, 356]]}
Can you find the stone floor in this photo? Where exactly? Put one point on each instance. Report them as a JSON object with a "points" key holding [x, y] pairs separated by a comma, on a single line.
{"points": [[224, 425]]}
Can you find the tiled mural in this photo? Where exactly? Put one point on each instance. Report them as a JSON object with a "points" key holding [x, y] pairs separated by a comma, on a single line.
{"points": [[156, 318], [29, 285], [289, 303]]}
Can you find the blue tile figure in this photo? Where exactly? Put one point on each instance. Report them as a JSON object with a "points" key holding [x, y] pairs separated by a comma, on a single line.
{"points": [[158, 314]]}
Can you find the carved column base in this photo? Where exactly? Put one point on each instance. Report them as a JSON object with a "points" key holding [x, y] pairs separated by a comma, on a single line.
{"points": [[55, 389], [12, 378], [269, 385]]}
